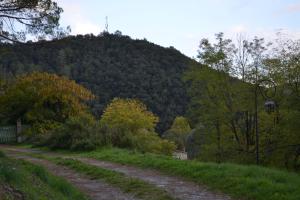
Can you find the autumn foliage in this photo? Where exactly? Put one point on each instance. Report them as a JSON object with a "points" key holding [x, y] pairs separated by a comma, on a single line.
{"points": [[56, 109], [40, 97], [128, 115], [129, 124]]}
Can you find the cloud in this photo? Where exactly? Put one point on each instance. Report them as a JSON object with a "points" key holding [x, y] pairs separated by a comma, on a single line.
{"points": [[289, 9], [75, 15], [84, 27], [238, 29], [292, 8]]}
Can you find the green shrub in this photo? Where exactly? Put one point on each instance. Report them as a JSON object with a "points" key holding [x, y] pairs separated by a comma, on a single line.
{"points": [[125, 117], [178, 132], [78, 133], [128, 124], [39, 131], [146, 141]]}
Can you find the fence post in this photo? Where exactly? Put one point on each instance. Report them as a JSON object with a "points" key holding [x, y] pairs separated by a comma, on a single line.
{"points": [[19, 130]]}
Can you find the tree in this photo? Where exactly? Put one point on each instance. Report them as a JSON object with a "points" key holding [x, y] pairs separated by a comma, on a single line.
{"points": [[283, 143], [218, 56], [178, 132], [42, 97], [223, 101], [216, 100], [110, 66], [219, 99], [39, 18], [125, 117], [210, 92], [242, 56], [129, 124], [128, 115]]}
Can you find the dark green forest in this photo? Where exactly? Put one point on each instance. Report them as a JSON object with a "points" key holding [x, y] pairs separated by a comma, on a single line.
{"points": [[110, 65]]}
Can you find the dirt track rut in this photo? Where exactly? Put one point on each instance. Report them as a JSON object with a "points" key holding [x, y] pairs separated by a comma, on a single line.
{"points": [[94, 189]]}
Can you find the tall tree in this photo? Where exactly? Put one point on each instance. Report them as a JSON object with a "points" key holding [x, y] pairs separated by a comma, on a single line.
{"points": [[284, 69], [212, 79], [242, 56], [219, 99]]}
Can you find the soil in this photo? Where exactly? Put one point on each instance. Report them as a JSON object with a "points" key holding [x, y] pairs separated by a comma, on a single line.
{"points": [[181, 189]]}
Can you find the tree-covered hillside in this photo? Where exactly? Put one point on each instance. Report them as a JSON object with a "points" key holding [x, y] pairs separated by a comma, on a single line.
{"points": [[111, 65]]}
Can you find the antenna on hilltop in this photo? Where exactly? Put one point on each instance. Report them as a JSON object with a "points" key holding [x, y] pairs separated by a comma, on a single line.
{"points": [[106, 24]]}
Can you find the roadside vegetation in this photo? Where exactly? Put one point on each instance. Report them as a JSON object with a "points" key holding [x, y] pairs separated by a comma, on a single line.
{"points": [[239, 181], [56, 108], [23, 180]]}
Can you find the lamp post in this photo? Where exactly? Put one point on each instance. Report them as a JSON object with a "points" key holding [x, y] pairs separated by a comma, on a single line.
{"points": [[269, 105]]}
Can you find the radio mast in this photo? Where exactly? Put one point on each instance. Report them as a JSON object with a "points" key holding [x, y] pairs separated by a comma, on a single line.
{"points": [[106, 24]]}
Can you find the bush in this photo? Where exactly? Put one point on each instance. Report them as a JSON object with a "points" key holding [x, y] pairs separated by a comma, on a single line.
{"points": [[40, 129], [146, 141], [128, 124], [178, 132], [78, 133]]}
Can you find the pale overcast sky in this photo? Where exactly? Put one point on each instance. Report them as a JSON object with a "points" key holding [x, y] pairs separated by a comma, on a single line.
{"points": [[182, 23]]}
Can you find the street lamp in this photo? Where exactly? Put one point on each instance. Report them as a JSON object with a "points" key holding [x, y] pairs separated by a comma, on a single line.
{"points": [[269, 105]]}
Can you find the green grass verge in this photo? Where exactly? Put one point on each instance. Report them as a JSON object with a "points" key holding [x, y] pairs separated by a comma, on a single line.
{"points": [[136, 187], [238, 181], [33, 182]]}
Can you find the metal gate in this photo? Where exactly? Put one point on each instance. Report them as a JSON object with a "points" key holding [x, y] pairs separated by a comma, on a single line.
{"points": [[8, 134]]}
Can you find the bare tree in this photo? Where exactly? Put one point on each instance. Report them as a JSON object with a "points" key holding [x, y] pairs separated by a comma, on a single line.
{"points": [[242, 55]]}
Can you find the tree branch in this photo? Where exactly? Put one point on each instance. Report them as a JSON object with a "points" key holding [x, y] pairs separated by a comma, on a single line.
{"points": [[10, 39]]}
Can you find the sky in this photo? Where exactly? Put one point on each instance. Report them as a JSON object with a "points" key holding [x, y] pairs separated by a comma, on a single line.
{"points": [[183, 23]]}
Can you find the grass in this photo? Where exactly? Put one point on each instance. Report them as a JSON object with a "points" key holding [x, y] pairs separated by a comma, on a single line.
{"points": [[133, 186], [33, 182], [136, 187], [238, 181]]}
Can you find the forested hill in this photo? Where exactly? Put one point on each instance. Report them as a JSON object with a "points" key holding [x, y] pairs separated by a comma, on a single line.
{"points": [[111, 65]]}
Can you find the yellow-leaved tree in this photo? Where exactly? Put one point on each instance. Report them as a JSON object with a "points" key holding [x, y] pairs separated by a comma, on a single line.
{"points": [[43, 98], [128, 123], [128, 115]]}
